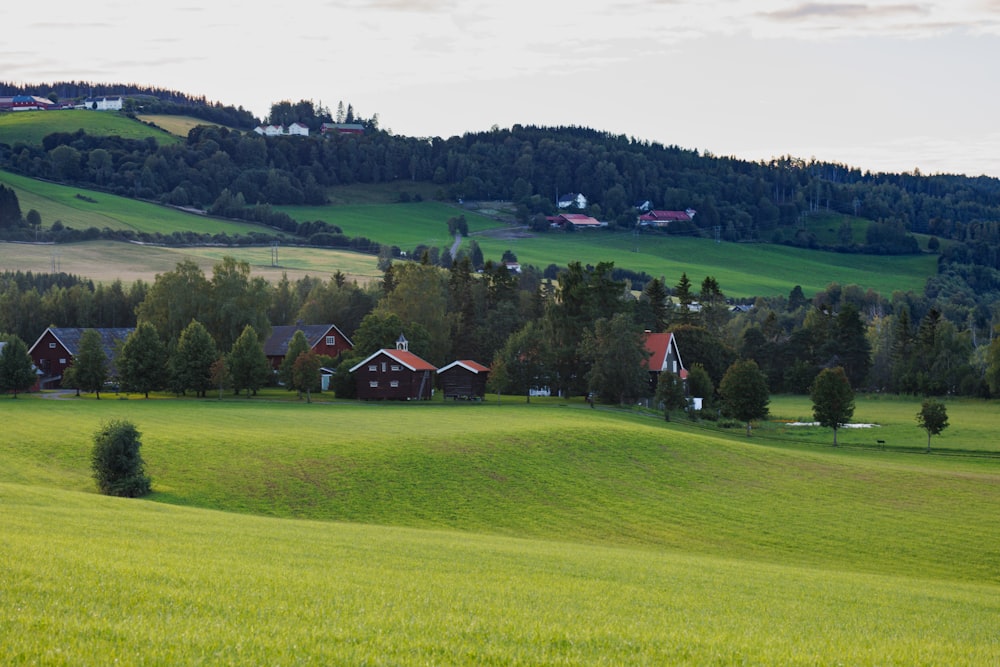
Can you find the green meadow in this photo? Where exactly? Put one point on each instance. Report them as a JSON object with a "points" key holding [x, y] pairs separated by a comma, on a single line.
{"points": [[103, 210], [495, 533], [31, 127]]}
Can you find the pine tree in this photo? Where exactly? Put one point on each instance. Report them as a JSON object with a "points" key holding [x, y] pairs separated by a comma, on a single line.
{"points": [[833, 399], [191, 362]]}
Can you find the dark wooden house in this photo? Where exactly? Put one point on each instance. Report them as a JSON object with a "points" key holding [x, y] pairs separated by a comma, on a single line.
{"points": [[54, 350], [664, 356], [323, 339], [395, 375], [464, 379]]}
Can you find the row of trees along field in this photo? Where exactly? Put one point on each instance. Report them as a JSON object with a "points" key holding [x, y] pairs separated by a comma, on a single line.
{"points": [[583, 332]]}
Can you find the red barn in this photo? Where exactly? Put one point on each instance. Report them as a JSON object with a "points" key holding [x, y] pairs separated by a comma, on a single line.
{"points": [[464, 379], [54, 350], [324, 339], [397, 375]]}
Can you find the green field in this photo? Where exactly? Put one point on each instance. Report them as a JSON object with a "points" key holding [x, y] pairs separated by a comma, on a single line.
{"points": [[31, 127], [101, 210], [494, 533]]}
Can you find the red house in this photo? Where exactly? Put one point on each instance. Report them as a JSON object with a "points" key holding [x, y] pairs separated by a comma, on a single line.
{"points": [[664, 356], [397, 375], [324, 339], [54, 350], [464, 379]]}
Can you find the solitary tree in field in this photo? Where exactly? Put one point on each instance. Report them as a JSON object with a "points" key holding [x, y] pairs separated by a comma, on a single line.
{"points": [[933, 418], [90, 364], [117, 465], [833, 399], [744, 392], [16, 370]]}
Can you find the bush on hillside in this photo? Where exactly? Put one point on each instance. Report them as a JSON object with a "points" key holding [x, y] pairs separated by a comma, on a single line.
{"points": [[118, 466]]}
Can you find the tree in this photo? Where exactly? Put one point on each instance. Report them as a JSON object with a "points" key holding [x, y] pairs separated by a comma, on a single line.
{"points": [[833, 399], [306, 373], [617, 352], [191, 362], [933, 418], [296, 346], [17, 372], [220, 374], [90, 363], [744, 392], [670, 392], [247, 363], [656, 295], [116, 462], [684, 298], [520, 365], [141, 361]]}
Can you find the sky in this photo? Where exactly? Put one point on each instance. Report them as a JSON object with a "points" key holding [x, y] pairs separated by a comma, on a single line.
{"points": [[883, 85]]}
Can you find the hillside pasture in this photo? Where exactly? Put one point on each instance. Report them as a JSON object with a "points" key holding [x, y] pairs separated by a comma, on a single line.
{"points": [[31, 127], [81, 209], [94, 580], [742, 270], [178, 126], [497, 533], [106, 261], [402, 225]]}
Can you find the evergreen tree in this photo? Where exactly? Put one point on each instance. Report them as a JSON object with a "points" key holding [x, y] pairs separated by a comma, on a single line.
{"points": [[833, 399], [521, 364], [655, 293], [141, 361], [191, 361], [247, 364], [852, 346], [116, 462], [670, 393], [90, 363], [17, 372], [684, 298]]}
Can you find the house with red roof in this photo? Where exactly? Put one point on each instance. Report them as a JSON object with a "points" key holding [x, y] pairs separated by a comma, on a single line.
{"points": [[664, 356], [465, 379], [394, 375], [575, 220], [664, 218]]}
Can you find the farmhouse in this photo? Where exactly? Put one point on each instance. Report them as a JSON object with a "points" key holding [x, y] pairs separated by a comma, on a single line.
{"points": [[341, 128], [463, 379], [54, 350], [664, 356], [323, 339], [664, 218], [26, 103], [394, 375], [575, 221], [571, 200], [102, 103]]}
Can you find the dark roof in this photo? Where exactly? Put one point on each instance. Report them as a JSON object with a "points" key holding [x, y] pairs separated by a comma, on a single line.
{"points": [[110, 338], [277, 344]]}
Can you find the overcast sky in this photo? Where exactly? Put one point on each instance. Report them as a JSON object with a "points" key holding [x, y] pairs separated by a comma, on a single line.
{"points": [[880, 85]]}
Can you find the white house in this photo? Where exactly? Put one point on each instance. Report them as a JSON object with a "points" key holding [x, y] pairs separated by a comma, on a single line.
{"points": [[572, 199], [103, 103], [298, 129]]}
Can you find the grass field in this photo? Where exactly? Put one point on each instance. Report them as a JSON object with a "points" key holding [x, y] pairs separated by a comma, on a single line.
{"points": [[497, 533], [176, 125], [106, 261], [31, 127], [100, 210]]}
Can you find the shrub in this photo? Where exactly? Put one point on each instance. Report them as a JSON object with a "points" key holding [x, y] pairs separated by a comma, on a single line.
{"points": [[118, 466]]}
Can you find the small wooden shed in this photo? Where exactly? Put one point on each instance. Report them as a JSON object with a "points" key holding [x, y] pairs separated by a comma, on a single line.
{"points": [[465, 379]]}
